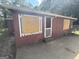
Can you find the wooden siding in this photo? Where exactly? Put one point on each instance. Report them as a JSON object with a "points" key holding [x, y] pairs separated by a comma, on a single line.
{"points": [[30, 24], [66, 24], [70, 25], [57, 27]]}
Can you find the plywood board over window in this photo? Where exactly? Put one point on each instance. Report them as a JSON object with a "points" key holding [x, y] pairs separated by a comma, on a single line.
{"points": [[66, 24], [31, 24]]}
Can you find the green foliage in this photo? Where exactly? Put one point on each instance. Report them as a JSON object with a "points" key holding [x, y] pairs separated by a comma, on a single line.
{"points": [[3, 28], [19, 3]]}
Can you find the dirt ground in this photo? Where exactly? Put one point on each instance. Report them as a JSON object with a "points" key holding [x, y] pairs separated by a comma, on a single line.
{"points": [[7, 48], [63, 48]]}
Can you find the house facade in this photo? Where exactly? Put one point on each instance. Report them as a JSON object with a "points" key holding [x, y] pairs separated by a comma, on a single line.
{"points": [[31, 26]]}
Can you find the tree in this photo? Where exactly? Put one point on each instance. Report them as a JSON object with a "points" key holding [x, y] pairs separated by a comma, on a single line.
{"points": [[62, 7], [55, 6], [18, 3]]}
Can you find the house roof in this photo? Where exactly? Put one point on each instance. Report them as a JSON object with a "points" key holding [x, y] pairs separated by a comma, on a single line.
{"points": [[33, 11]]}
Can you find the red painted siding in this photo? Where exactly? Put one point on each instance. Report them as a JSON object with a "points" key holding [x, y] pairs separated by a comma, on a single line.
{"points": [[57, 31], [57, 27], [28, 39], [20, 41]]}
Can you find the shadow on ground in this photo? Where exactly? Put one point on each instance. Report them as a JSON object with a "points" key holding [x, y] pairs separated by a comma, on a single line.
{"points": [[63, 48]]}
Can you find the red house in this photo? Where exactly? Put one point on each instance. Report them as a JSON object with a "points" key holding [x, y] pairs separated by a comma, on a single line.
{"points": [[31, 26]]}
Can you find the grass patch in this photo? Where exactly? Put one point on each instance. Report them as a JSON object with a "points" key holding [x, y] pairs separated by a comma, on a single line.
{"points": [[75, 32]]}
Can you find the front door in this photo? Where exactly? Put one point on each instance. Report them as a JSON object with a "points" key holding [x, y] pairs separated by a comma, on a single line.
{"points": [[48, 27]]}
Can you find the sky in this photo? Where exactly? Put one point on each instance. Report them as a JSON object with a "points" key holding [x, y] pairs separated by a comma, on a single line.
{"points": [[40, 1], [34, 2]]}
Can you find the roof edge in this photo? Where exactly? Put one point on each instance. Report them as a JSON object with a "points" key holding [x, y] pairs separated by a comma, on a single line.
{"points": [[33, 11]]}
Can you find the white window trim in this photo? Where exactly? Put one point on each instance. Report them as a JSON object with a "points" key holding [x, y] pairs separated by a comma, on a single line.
{"points": [[20, 28], [48, 28]]}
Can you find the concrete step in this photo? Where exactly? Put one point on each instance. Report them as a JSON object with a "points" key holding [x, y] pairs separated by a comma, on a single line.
{"points": [[48, 39]]}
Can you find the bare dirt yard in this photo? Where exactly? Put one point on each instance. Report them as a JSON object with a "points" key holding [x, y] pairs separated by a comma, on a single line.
{"points": [[7, 48], [63, 48]]}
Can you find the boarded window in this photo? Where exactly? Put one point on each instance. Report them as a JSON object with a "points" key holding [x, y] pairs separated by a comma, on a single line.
{"points": [[66, 24], [30, 24]]}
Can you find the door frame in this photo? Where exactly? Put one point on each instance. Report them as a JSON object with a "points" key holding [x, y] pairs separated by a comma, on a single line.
{"points": [[47, 28]]}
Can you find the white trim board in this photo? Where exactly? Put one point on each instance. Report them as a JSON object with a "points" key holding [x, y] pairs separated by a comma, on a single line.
{"points": [[33, 11], [47, 28]]}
